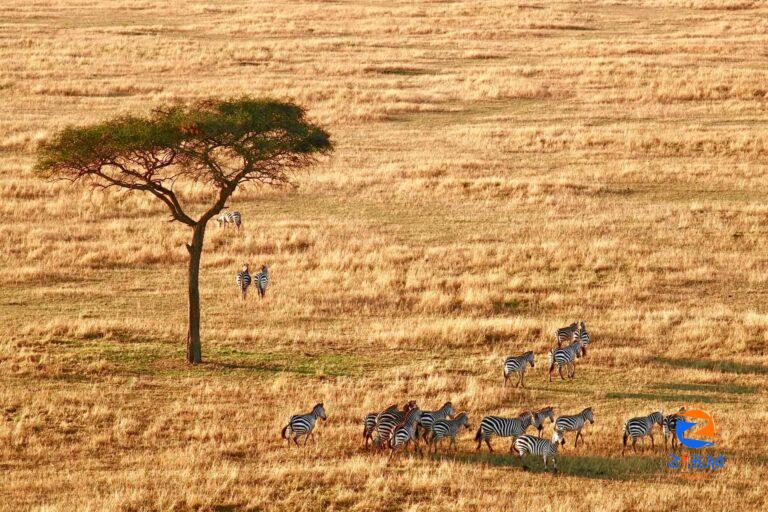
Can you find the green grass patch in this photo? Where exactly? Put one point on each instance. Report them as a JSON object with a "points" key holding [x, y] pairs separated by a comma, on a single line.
{"points": [[595, 467], [725, 366], [666, 397]]}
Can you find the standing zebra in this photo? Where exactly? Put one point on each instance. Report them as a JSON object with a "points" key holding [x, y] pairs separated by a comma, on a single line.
{"points": [[517, 364], [261, 280], [369, 423], [574, 424], [386, 422], [429, 417], [583, 336], [243, 280], [669, 426], [303, 424], [565, 357], [448, 428], [229, 218], [502, 427], [640, 427], [537, 446], [565, 334], [541, 415], [404, 432]]}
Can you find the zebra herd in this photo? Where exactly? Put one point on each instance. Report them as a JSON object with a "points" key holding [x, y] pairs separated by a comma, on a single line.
{"points": [[243, 279], [394, 429]]}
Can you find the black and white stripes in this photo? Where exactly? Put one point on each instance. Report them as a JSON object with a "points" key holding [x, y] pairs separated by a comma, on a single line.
{"points": [[565, 358], [229, 218], [448, 428], [243, 280], [517, 364], [638, 428], [502, 427], [574, 423], [261, 280], [303, 425], [532, 445]]}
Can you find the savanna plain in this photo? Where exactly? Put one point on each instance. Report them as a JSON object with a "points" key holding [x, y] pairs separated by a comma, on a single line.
{"points": [[501, 169]]}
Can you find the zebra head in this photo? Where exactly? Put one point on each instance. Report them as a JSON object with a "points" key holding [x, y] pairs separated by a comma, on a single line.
{"points": [[265, 270], [447, 408], [412, 417], [319, 411], [547, 412], [245, 267], [463, 420], [557, 436], [587, 413], [526, 418], [529, 357], [657, 417]]}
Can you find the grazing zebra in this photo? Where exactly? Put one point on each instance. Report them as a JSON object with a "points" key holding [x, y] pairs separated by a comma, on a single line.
{"points": [[386, 422], [404, 432], [669, 426], [502, 427], [229, 218], [448, 428], [429, 417], [261, 280], [537, 446], [564, 357], [541, 415], [303, 424], [565, 334], [517, 364], [243, 280], [640, 427], [369, 423], [583, 335], [574, 424]]}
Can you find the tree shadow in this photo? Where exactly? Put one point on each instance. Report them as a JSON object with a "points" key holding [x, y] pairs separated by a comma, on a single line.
{"points": [[725, 366], [585, 466]]}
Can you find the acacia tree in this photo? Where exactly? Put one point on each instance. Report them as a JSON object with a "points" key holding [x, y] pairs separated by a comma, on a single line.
{"points": [[217, 144]]}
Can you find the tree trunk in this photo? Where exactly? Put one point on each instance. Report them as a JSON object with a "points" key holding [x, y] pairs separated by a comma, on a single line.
{"points": [[194, 350]]}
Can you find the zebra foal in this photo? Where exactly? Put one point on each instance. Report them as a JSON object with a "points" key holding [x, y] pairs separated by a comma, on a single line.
{"points": [[518, 365], [303, 425]]}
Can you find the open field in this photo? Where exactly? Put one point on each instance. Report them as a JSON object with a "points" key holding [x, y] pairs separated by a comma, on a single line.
{"points": [[501, 169]]}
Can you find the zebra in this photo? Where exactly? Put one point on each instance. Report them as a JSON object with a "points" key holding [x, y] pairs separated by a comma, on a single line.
{"points": [[429, 417], [261, 280], [566, 333], [574, 423], [669, 425], [404, 432], [566, 356], [229, 218], [517, 364], [243, 280], [533, 445], [542, 414], [448, 428], [502, 427], [387, 420], [303, 424], [640, 427], [369, 423], [583, 335]]}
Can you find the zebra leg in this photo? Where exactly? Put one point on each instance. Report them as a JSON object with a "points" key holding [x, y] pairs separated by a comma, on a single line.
{"points": [[578, 433], [296, 440], [624, 446], [488, 442], [506, 378], [520, 380], [551, 369], [634, 440], [652, 446], [560, 371]]}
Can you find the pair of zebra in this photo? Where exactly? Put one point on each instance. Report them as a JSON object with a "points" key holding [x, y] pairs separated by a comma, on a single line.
{"points": [[565, 356], [526, 444], [395, 428], [227, 218], [642, 427], [260, 280]]}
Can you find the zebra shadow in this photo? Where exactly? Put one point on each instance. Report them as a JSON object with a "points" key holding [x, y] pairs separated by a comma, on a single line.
{"points": [[586, 466]]}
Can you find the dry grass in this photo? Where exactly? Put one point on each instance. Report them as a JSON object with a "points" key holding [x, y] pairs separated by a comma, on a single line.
{"points": [[502, 168]]}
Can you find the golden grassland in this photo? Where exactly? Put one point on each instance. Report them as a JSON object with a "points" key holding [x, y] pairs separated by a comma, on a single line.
{"points": [[502, 168]]}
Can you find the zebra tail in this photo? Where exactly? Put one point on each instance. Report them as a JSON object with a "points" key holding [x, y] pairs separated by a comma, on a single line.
{"points": [[479, 434], [284, 433], [551, 356]]}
